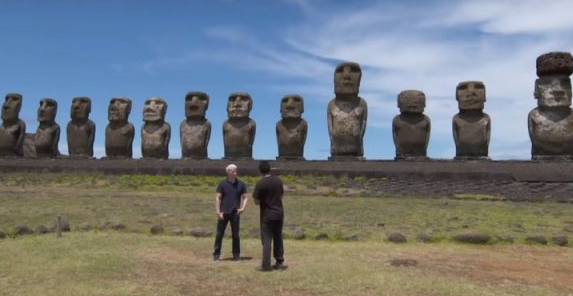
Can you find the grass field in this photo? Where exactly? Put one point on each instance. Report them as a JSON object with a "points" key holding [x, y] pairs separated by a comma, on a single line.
{"points": [[134, 262]]}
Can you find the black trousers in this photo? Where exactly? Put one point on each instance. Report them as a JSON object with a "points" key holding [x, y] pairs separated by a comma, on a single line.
{"points": [[235, 220], [272, 232]]}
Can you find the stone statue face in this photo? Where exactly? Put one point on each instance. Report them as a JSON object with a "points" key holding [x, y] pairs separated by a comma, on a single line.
{"points": [[81, 108], [412, 101], [154, 110], [11, 107], [553, 91], [239, 105], [292, 106], [196, 104], [347, 78], [470, 95], [47, 111], [119, 109]]}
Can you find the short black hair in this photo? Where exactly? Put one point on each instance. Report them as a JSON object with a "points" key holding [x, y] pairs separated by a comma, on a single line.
{"points": [[264, 167]]}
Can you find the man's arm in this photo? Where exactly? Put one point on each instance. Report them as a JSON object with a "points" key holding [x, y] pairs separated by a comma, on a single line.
{"points": [[244, 201], [218, 206]]}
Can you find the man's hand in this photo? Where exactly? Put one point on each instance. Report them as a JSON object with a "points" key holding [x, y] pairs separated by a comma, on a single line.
{"points": [[220, 216], [240, 211]]}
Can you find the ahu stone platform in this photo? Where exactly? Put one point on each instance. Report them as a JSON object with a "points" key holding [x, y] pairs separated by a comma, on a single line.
{"points": [[515, 180]]}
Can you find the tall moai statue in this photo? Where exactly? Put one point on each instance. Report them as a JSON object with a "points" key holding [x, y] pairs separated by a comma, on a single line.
{"points": [[155, 132], [119, 132], [48, 132], [471, 126], [291, 129], [411, 128], [347, 114], [195, 130], [81, 130], [239, 130], [551, 123], [13, 129]]}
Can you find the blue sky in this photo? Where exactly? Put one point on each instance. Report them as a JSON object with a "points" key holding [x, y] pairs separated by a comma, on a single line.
{"points": [[139, 49]]}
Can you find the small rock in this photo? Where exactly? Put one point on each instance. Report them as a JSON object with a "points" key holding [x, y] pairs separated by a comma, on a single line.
{"points": [[423, 237], [64, 226], [84, 226], [176, 231], [22, 230], [560, 240], [568, 229], [403, 262], [350, 237], [472, 238], [157, 229], [199, 232], [42, 229], [298, 234], [536, 239], [397, 237], [105, 225], [118, 226], [2, 234], [321, 235]]}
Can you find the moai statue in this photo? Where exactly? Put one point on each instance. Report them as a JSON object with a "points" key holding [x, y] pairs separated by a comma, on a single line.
{"points": [[155, 132], [291, 129], [195, 130], [239, 130], [347, 114], [81, 130], [551, 123], [119, 132], [471, 126], [411, 129], [13, 129], [48, 132]]}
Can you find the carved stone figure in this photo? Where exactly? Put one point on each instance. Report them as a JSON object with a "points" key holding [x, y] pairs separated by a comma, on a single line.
{"points": [[48, 132], [551, 123], [471, 126], [239, 130], [119, 132], [291, 129], [155, 132], [347, 114], [411, 128], [195, 130], [81, 130], [13, 129]]}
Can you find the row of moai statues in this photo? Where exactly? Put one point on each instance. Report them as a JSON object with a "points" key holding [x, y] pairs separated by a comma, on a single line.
{"points": [[550, 125]]}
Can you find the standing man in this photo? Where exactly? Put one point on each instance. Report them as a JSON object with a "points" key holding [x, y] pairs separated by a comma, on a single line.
{"points": [[268, 194], [230, 203]]}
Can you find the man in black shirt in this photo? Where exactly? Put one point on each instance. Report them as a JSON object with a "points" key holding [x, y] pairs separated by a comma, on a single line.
{"points": [[268, 195], [230, 203]]}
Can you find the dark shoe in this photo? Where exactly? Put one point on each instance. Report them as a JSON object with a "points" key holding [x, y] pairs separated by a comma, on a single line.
{"points": [[279, 266], [216, 258], [260, 268], [236, 257]]}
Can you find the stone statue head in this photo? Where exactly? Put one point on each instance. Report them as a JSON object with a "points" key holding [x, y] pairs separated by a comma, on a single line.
{"points": [[81, 108], [154, 109], [196, 104], [553, 91], [11, 107], [292, 106], [239, 105], [470, 95], [347, 78], [119, 109], [47, 111], [411, 101]]}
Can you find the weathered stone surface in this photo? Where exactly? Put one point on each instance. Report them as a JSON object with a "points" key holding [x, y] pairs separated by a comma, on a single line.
{"points": [[321, 236], [560, 240], [554, 63], [291, 129], [84, 226], [29, 148], [423, 237], [239, 130], [13, 129], [41, 229], [472, 238], [403, 262], [199, 232], [396, 238], [347, 114], [298, 234], [411, 128], [471, 126], [350, 237], [119, 132], [536, 239], [117, 226], [2, 234], [22, 230], [195, 130], [157, 229], [155, 132], [81, 130], [48, 132]]}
